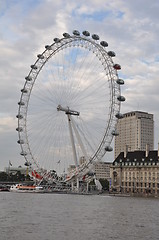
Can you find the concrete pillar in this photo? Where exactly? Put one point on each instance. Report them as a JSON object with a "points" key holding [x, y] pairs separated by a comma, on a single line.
{"points": [[72, 186], [125, 151], [87, 186], [78, 184], [147, 149]]}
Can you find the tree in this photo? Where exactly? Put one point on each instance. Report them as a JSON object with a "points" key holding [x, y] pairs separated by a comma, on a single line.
{"points": [[104, 183], [20, 176], [3, 176]]}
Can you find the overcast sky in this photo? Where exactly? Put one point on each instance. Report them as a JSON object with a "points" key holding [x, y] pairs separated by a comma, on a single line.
{"points": [[130, 27]]}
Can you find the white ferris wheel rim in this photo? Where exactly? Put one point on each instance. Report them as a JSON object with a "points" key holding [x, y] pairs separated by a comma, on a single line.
{"points": [[59, 45]]}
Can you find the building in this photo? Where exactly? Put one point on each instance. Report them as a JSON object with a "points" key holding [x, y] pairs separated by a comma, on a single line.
{"points": [[136, 129], [71, 168], [14, 170], [102, 170], [136, 172]]}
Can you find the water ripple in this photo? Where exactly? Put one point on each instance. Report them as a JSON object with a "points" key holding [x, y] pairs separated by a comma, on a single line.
{"points": [[75, 217]]}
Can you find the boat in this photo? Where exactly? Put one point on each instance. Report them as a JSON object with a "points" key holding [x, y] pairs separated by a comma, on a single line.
{"points": [[4, 189], [25, 188]]}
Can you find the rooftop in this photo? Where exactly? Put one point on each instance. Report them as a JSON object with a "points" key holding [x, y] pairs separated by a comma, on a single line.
{"points": [[137, 156]]}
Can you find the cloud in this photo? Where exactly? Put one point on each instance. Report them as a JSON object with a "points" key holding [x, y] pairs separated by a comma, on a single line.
{"points": [[130, 27], [7, 124]]}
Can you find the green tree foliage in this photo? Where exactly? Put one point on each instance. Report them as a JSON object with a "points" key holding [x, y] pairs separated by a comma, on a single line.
{"points": [[3, 176], [105, 184], [18, 177]]}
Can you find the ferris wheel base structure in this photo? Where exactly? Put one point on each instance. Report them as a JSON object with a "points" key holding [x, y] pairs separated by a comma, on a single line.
{"points": [[69, 107]]}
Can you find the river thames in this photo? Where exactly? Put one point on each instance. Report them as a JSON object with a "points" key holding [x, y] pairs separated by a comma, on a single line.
{"points": [[77, 217]]}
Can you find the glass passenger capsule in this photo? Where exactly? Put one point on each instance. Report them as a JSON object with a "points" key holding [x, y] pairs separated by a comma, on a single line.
{"points": [[20, 141], [95, 37], [48, 47], [104, 44], [117, 66], [121, 98], [28, 78], [115, 133], [86, 33], [108, 149], [24, 90], [111, 54], [27, 164], [21, 103], [19, 116], [23, 153], [40, 56], [19, 129], [34, 67], [56, 40], [120, 81], [66, 35], [76, 33], [119, 115]]}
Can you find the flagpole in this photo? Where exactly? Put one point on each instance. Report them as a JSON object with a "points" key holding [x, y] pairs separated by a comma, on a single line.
{"points": [[8, 169], [9, 164]]}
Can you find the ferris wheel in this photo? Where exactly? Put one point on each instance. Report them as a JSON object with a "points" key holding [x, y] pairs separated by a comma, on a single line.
{"points": [[69, 105]]}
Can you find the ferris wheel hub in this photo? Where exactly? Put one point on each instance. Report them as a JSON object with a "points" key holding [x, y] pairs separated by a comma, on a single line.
{"points": [[67, 110]]}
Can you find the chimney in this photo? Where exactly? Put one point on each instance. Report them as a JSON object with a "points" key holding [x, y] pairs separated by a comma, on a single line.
{"points": [[125, 151], [147, 149]]}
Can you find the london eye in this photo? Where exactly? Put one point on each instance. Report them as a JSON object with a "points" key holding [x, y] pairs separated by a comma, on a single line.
{"points": [[69, 106]]}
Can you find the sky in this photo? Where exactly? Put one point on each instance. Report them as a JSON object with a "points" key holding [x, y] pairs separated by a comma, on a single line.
{"points": [[130, 27]]}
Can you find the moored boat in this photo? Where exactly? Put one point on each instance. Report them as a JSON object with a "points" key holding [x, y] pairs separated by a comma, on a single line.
{"points": [[4, 189], [25, 188]]}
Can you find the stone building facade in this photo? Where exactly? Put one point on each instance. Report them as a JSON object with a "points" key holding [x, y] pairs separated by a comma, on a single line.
{"points": [[102, 170], [136, 172]]}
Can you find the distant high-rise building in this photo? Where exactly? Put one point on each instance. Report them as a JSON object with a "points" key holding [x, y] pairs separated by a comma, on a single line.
{"points": [[102, 170], [136, 131]]}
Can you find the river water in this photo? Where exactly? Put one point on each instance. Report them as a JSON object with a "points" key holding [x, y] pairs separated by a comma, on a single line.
{"points": [[32, 216]]}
